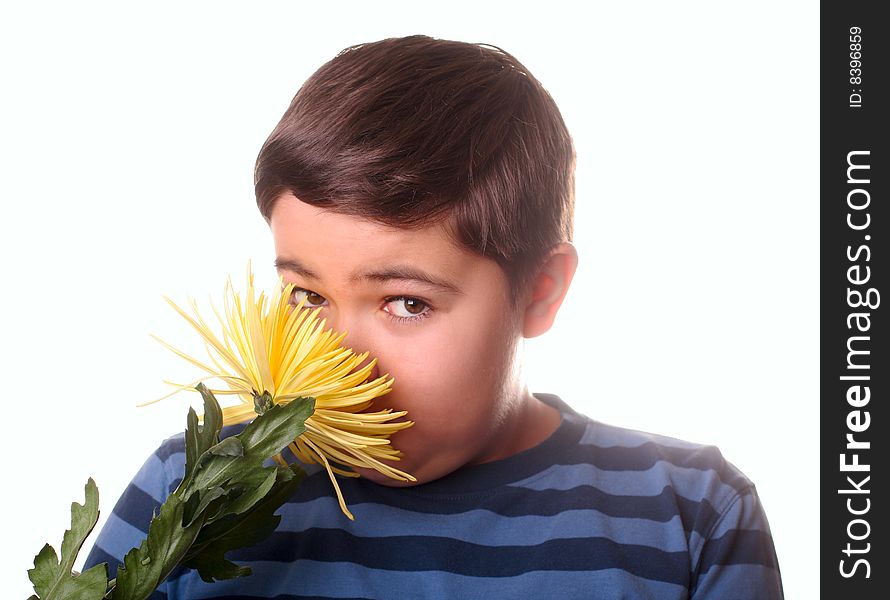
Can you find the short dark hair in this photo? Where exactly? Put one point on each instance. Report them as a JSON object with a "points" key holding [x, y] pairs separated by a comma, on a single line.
{"points": [[412, 131]]}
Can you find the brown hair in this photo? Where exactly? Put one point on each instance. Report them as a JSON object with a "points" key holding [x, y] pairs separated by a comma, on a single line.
{"points": [[413, 131]]}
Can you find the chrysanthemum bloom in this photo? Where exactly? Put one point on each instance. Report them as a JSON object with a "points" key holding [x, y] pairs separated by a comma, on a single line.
{"points": [[270, 346]]}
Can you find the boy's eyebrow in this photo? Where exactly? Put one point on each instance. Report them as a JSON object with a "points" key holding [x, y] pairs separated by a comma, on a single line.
{"points": [[391, 273], [407, 273], [294, 266]]}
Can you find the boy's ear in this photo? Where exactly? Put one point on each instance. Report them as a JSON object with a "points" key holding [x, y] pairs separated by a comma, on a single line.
{"points": [[548, 289]]}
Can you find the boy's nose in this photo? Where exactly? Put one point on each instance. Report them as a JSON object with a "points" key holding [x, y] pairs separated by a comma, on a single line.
{"points": [[353, 341]]}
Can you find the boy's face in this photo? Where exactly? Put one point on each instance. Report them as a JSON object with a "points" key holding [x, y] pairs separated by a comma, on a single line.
{"points": [[436, 316]]}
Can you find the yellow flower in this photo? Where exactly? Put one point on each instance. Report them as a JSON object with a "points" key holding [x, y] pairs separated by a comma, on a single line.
{"points": [[270, 345]]}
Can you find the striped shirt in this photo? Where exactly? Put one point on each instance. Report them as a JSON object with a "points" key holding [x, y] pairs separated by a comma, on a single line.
{"points": [[594, 511]]}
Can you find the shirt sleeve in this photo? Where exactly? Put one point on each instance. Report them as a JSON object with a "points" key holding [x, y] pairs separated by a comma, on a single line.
{"points": [[127, 525], [738, 559]]}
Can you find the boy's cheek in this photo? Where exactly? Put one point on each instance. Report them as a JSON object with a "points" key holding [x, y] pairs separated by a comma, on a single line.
{"points": [[426, 356]]}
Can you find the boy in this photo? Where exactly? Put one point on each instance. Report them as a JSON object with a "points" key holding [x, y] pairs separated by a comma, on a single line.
{"points": [[422, 192]]}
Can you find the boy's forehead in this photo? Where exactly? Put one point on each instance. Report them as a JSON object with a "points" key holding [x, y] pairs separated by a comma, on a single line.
{"points": [[314, 239]]}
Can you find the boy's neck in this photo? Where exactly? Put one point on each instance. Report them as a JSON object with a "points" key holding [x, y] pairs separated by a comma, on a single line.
{"points": [[530, 423]]}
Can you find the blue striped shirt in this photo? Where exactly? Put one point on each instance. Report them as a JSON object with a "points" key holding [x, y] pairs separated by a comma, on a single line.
{"points": [[594, 511]]}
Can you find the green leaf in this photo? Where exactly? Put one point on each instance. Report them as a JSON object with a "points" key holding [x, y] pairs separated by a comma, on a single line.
{"points": [[199, 502], [83, 519], [89, 585], [146, 567], [228, 447], [240, 531], [263, 480], [270, 433], [214, 470], [52, 576], [213, 567], [265, 436], [226, 500], [46, 571], [198, 439]]}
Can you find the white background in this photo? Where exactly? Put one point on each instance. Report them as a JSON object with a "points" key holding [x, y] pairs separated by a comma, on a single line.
{"points": [[128, 133]]}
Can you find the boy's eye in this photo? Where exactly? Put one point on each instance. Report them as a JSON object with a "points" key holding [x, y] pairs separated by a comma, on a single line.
{"points": [[312, 299], [407, 308]]}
